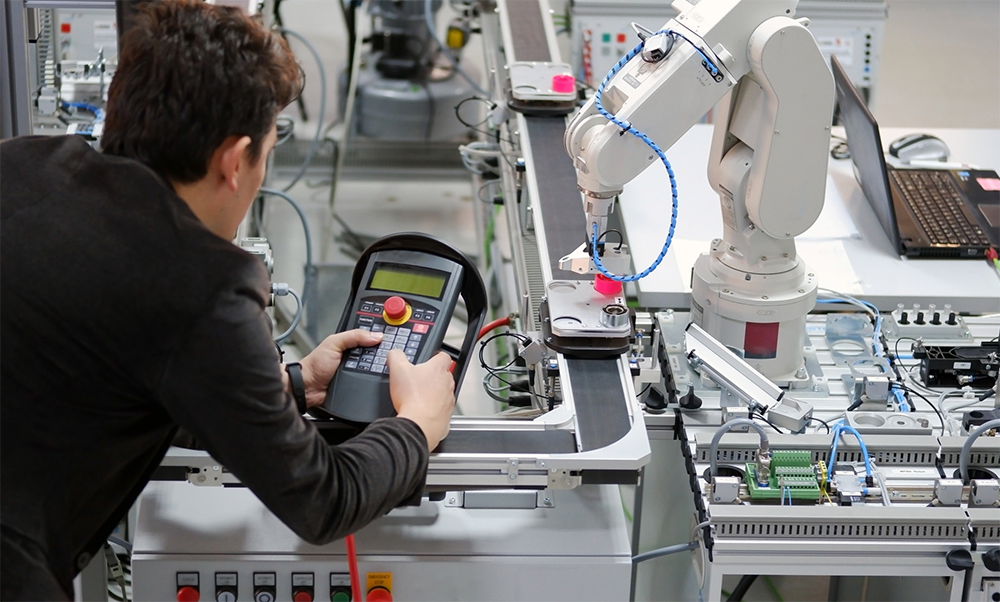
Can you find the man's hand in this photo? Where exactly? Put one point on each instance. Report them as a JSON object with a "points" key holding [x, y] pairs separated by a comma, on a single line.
{"points": [[424, 393], [318, 367]]}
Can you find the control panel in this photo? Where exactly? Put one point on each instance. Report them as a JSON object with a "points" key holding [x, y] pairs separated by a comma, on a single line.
{"points": [[408, 295], [269, 586]]}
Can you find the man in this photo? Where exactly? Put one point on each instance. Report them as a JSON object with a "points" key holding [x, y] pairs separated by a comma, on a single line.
{"points": [[127, 312]]}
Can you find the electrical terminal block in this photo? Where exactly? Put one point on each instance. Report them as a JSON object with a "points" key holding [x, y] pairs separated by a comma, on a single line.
{"points": [[984, 492], [732, 413], [949, 492], [725, 490], [789, 473]]}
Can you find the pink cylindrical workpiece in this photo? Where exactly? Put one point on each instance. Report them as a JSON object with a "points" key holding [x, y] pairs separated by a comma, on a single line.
{"points": [[563, 84], [606, 286]]}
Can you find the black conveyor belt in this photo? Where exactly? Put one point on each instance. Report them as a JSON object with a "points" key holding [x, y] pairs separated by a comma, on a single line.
{"points": [[601, 407], [559, 200], [527, 27], [506, 442]]}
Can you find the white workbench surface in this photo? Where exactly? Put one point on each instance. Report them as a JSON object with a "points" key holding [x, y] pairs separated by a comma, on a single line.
{"points": [[846, 247]]}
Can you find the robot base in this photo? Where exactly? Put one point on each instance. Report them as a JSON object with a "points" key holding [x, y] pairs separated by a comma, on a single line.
{"points": [[762, 315]]}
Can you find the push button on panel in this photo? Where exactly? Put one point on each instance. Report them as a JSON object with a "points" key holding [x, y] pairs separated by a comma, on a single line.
{"points": [[303, 587], [264, 587], [379, 594], [188, 587], [396, 310], [188, 594]]}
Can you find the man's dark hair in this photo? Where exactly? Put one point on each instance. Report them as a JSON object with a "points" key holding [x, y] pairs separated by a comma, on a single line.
{"points": [[189, 76]]}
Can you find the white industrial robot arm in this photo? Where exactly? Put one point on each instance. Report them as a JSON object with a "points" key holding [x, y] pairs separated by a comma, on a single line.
{"points": [[783, 104], [773, 97]]}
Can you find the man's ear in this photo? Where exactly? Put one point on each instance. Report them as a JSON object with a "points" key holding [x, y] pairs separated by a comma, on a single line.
{"points": [[230, 157]]}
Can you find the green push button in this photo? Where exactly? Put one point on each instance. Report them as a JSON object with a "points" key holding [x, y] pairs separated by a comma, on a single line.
{"points": [[340, 597], [606, 38]]}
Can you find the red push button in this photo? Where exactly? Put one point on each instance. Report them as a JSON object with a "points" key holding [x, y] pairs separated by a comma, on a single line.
{"points": [[379, 594], [188, 594], [395, 308], [302, 596], [621, 38]]}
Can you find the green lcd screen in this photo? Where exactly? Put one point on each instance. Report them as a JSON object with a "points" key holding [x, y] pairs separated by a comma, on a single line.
{"points": [[408, 280]]}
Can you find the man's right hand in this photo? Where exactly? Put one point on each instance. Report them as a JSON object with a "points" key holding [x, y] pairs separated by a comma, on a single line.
{"points": [[424, 393]]}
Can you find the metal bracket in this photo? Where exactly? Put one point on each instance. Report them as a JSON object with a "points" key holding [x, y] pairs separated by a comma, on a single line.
{"points": [[512, 469], [209, 476], [500, 499], [563, 479]]}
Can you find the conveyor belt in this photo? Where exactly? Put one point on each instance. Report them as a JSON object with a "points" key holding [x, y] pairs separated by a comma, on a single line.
{"points": [[558, 200], [558, 197], [601, 407], [508, 442], [527, 28]]}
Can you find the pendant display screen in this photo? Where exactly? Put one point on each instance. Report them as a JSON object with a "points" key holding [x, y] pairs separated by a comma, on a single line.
{"points": [[409, 280]]}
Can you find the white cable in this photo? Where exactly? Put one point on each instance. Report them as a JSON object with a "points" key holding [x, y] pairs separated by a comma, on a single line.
{"points": [[309, 269], [295, 321]]}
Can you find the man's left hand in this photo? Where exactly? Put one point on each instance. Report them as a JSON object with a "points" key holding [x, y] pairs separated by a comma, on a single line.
{"points": [[318, 367]]}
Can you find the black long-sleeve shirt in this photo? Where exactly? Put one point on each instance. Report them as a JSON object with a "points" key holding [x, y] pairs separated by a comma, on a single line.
{"points": [[123, 317]]}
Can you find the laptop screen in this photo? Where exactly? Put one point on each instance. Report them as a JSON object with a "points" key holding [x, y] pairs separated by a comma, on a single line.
{"points": [[865, 144]]}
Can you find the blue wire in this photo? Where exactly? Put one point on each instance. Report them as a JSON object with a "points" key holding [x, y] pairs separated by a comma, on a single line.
{"points": [[97, 111], [836, 431], [627, 127], [901, 400]]}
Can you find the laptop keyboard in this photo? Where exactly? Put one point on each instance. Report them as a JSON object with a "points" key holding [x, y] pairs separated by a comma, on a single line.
{"points": [[937, 204]]}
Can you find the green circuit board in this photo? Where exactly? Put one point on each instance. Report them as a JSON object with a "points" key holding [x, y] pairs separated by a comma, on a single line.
{"points": [[791, 471]]}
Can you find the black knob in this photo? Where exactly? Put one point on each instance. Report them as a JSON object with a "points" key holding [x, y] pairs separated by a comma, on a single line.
{"points": [[690, 401], [655, 403], [920, 318], [959, 560], [936, 319], [951, 319], [904, 318], [991, 559]]}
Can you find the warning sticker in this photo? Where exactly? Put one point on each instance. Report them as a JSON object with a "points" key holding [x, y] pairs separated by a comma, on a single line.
{"points": [[383, 580]]}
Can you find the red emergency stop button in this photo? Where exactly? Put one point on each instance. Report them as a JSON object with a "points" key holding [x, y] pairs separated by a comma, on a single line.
{"points": [[379, 594], [302, 596], [188, 594], [395, 308]]}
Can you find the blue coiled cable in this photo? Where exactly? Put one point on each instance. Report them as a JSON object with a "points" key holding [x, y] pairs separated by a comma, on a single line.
{"points": [[627, 127]]}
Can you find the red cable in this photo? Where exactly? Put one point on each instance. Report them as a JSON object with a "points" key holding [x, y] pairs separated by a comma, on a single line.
{"points": [[492, 325], [352, 567]]}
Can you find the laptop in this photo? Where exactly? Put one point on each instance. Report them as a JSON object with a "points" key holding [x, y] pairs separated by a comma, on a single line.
{"points": [[926, 212]]}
